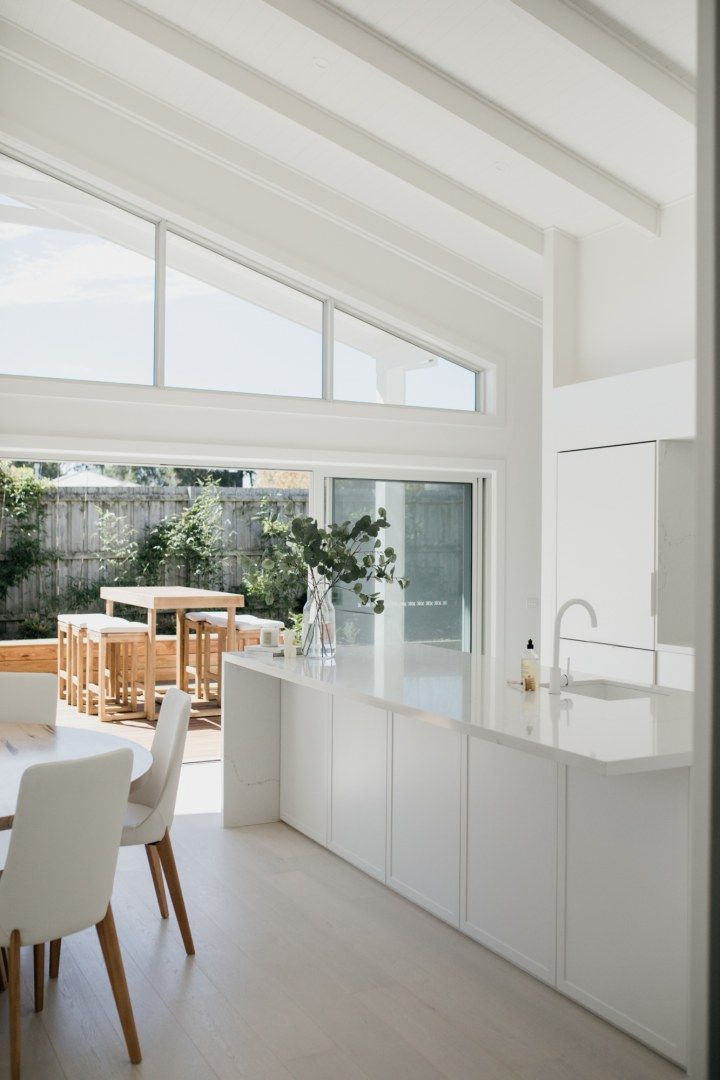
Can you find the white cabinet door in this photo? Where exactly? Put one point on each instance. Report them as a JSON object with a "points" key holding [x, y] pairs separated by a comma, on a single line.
{"points": [[358, 800], [304, 760], [512, 821], [626, 902], [425, 840], [606, 542]]}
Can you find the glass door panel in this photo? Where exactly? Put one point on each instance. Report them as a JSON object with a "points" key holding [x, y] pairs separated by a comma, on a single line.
{"points": [[431, 531]]}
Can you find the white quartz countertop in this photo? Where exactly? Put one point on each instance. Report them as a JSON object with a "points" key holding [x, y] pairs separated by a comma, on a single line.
{"points": [[470, 694]]}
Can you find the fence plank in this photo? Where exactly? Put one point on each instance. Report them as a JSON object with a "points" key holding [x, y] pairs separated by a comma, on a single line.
{"points": [[71, 533]]}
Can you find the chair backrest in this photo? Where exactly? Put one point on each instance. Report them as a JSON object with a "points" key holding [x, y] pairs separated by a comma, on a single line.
{"points": [[60, 866], [158, 788], [27, 697]]}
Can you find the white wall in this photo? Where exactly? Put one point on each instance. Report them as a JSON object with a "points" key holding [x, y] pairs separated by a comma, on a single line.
{"points": [[46, 419], [618, 354], [636, 296]]}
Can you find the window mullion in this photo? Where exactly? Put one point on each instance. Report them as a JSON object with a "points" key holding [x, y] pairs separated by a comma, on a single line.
{"points": [[328, 344], [160, 278]]}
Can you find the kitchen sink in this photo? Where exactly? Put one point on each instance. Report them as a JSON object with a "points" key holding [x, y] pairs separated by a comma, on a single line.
{"points": [[609, 691]]}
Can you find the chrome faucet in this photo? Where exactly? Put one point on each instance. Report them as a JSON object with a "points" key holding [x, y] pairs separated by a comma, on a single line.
{"points": [[555, 674]]}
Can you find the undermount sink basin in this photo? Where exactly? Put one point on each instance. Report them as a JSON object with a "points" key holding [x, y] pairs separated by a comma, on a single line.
{"points": [[609, 691]]}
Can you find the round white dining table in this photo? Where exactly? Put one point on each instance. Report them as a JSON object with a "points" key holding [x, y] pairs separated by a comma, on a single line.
{"points": [[22, 745]]}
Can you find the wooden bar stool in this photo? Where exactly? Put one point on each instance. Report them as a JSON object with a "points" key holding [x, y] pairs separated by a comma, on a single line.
{"points": [[115, 652], [71, 655], [207, 632], [63, 647], [193, 644]]}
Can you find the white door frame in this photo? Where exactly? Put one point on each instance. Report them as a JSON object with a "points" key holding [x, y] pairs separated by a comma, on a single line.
{"points": [[704, 1048], [488, 527]]}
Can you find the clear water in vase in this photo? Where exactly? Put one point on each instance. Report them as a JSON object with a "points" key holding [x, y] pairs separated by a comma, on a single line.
{"points": [[318, 636]]}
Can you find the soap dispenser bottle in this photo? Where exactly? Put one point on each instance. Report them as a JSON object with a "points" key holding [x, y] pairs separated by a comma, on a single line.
{"points": [[530, 668]]}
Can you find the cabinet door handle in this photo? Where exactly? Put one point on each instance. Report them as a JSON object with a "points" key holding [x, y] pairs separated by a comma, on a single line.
{"points": [[653, 593]]}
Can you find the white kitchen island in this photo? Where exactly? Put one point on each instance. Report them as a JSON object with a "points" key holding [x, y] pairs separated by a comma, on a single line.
{"points": [[553, 830]]}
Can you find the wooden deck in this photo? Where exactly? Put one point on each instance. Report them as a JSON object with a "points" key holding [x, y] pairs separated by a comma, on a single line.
{"points": [[202, 744], [203, 741]]}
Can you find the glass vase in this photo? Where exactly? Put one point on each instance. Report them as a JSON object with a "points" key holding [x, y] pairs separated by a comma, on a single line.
{"points": [[318, 635]]}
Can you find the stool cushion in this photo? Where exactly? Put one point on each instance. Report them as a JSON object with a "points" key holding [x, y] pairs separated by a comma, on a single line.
{"points": [[94, 619], [76, 619], [117, 626], [197, 616], [242, 622]]}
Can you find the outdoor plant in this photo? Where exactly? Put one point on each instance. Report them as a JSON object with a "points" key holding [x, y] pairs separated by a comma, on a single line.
{"points": [[22, 511], [349, 556], [195, 541], [275, 584], [120, 549], [190, 542]]}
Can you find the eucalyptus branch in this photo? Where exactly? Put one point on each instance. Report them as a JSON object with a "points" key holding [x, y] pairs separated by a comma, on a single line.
{"points": [[348, 555]]}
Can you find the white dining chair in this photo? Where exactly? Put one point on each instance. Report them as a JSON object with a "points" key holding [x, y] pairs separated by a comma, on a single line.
{"points": [[151, 809], [59, 874], [28, 697]]}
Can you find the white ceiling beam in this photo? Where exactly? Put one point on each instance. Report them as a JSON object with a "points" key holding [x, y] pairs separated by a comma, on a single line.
{"points": [[20, 47], [229, 71], [614, 52], [476, 110]]}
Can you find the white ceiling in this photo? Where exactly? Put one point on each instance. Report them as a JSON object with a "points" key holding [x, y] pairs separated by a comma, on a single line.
{"points": [[493, 47]]}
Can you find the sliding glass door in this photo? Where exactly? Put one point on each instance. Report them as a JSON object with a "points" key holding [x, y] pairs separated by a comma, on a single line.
{"points": [[431, 529]]}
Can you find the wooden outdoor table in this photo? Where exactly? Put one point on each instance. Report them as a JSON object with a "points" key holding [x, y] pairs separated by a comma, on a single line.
{"points": [[175, 598], [22, 745]]}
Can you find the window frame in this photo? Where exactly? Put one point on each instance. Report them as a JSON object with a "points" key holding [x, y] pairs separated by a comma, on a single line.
{"points": [[411, 339], [473, 630], [484, 375], [247, 264], [487, 564]]}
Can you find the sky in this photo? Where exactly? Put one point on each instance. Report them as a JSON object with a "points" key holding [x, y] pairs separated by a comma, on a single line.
{"points": [[81, 306]]}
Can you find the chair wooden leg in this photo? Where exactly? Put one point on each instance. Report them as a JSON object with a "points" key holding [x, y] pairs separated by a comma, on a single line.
{"points": [[14, 990], [167, 858], [54, 969], [157, 877], [39, 971], [110, 946], [3, 970]]}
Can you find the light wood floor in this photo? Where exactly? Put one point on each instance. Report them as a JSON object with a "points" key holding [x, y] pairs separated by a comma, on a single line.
{"points": [[305, 969], [203, 741]]}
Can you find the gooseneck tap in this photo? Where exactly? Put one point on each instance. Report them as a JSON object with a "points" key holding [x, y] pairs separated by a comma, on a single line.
{"points": [[555, 674]]}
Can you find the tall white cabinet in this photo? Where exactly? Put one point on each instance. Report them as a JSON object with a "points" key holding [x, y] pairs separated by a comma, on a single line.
{"points": [[624, 542]]}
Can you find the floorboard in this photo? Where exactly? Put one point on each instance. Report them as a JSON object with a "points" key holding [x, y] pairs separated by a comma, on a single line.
{"points": [[306, 969]]}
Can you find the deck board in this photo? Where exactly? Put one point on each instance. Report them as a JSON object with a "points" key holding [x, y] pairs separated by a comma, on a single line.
{"points": [[202, 743]]}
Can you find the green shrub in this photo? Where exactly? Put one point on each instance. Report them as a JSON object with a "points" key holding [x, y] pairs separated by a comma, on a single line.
{"points": [[276, 583], [22, 512]]}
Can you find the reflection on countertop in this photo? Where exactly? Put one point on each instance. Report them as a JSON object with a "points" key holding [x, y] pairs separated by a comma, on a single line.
{"points": [[470, 694]]}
